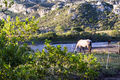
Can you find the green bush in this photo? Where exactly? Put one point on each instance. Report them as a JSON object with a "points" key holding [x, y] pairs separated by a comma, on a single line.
{"points": [[55, 63], [115, 33], [76, 29], [11, 55], [72, 35], [75, 36], [59, 29], [48, 35]]}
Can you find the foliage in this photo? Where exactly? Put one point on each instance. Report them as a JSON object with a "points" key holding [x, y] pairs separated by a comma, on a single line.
{"points": [[88, 13], [109, 22], [110, 34], [113, 65], [48, 35], [19, 29], [117, 25], [55, 63], [73, 36], [76, 29], [59, 29], [19, 62], [115, 33], [56, 18], [11, 55]]}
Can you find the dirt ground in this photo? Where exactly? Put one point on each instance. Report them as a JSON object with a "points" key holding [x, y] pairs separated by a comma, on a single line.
{"points": [[106, 49]]}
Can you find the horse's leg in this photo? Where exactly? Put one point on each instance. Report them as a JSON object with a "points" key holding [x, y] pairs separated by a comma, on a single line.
{"points": [[89, 49], [83, 50], [80, 48]]}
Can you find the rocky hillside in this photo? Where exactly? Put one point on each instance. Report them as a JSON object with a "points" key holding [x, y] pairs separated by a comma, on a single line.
{"points": [[41, 7], [67, 13], [85, 15]]}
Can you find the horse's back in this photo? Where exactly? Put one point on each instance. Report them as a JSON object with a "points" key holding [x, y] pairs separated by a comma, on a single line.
{"points": [[84, 43]]}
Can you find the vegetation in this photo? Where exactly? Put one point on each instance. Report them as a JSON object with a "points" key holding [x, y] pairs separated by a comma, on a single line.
{"points": [[113, 64], [75, 35], [89, 22], [56, 18], [19, 29], [18, 61], [58, 64], [83, 15]]}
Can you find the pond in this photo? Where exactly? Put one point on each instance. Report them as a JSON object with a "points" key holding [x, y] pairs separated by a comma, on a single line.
{"points": [[70, 46]]}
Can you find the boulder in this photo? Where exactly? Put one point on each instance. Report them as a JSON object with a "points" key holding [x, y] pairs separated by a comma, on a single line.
{"points": [[18, 8]]}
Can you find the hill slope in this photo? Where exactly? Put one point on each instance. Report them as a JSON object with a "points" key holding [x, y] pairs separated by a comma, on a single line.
{"points": [[84, 15]]}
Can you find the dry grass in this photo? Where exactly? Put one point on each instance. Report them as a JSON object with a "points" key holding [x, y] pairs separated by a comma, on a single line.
{"points": [[105, 31], [113, 68], [114, 60]]}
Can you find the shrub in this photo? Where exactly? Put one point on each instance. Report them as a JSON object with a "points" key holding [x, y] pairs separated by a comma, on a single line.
{"points": [[11, 55], [115, 33], [48, 35], [55, 63], [72, 35], [78, 29], [59, 29]]}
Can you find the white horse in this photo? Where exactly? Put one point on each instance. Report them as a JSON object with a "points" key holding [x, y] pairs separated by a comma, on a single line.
{"points": [[81, 44]]}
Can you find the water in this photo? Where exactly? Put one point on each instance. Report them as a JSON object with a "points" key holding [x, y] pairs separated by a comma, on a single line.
{"points": [[70, 46]]}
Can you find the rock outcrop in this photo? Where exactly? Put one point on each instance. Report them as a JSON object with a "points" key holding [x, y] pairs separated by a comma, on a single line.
{"points": [[18, 8], [34, 6]]}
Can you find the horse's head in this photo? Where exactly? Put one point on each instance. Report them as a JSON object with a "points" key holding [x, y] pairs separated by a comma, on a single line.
{"points": [[90, 46]]}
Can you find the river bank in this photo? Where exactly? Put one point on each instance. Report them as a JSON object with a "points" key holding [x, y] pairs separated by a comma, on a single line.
{"points": [[96, 47]]}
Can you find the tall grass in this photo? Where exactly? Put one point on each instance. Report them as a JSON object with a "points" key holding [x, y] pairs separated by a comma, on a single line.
{"points": [[113, 63]]}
